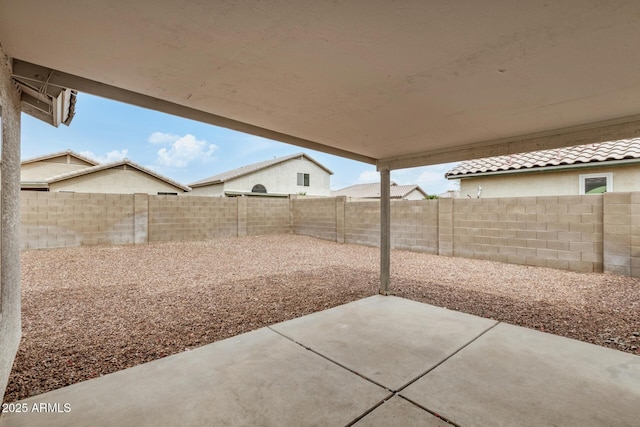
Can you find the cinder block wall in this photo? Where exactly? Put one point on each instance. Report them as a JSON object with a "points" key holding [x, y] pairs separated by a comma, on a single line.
{"points": [[315, 217], [617, 233], [362, 223], [414, 225], [580, 233], [635, 234], [559, 232], [50, 220], [174, 218], [267, 216]]}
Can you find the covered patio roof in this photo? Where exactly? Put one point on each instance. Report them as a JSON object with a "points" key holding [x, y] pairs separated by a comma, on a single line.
{"points": [[397, 84]]}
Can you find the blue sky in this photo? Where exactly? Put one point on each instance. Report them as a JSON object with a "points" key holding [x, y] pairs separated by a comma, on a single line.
{"points": [[187, 151]]}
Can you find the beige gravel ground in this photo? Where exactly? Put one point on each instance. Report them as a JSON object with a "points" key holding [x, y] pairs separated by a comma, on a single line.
{"points": [[93, 310]]}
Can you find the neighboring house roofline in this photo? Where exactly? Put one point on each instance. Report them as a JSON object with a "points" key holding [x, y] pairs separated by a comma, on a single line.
{"points": [[588, 155], [591, 165], [59, 154], [129, 163], [251, 194], [33, 184], [252, 168]]}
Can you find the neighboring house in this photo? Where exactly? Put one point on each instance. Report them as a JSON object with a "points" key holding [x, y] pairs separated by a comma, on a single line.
{"points": [[71, 172], [40, 168], [449, 194], [293, 174], [584, 169], [372, 191]]}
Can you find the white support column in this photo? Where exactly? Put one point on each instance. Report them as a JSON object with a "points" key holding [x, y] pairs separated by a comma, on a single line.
{"points": [[385, 230], [10, 325]]}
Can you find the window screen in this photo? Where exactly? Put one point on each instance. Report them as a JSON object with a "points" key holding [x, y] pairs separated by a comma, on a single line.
{"points": [[595, 185], [303, 179]]}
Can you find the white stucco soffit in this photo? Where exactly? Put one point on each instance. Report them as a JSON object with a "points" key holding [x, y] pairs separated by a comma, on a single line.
{"points": [[393, 83]]}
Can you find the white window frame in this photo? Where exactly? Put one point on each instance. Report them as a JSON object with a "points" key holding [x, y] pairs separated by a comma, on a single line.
{"points": [[607, 175], [301, 178]]}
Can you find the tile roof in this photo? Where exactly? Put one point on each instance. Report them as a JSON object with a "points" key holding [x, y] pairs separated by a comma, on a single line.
{"points": [[372, 191], [578, 155], [255, 167], [93, 169]]}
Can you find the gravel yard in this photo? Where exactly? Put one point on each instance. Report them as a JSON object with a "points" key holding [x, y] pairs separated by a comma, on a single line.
{"points": [[89, 311]]}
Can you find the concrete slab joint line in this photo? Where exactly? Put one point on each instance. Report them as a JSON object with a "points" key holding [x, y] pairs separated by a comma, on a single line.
{"points": [[330, 360], [392, 393], [447, 358]]}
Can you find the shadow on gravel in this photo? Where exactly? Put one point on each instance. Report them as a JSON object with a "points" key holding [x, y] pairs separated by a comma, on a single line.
{"points": [[614, 330], [72, 334]]}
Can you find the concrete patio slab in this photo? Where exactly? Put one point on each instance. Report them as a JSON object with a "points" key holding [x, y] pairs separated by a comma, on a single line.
{"points": [[258, 378], [399, 412], [389, 340], [518, 376], [468, 370]]}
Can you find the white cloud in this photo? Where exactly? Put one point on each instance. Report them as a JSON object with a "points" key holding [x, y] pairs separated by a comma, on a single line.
{"points": [[183, 149], [432, 180], [111, 156], [368, 177], [430, 177], [162, 138]]}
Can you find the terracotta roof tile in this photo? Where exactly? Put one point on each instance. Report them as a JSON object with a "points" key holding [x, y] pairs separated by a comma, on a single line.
{"points": [[581, 154]]}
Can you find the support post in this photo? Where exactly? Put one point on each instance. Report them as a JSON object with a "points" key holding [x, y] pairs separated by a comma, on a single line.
{"points": [[385, 230], [10, 329]]}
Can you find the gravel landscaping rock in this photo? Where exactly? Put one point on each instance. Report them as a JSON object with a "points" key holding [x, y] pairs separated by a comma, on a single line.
{"points": [[89, 311]]}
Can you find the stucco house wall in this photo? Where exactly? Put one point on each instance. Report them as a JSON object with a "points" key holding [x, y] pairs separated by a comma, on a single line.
{"points": [[10, 323], [115, 181], [547, 183], [277, 178], [215, 190], [71, 172], [283, 179], [414, 195], [41, 170]]}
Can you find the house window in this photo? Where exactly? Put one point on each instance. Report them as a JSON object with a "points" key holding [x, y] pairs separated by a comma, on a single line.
{"points": [[596, 183], [303, 179], [259, 188]]}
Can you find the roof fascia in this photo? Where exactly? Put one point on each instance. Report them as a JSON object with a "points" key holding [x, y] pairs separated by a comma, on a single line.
{"points": [[149, 172], [59, 154], [33, 72], [550, 168], [312, 160], [33, 184], [250, 194], [98, 168], [589, 133]]}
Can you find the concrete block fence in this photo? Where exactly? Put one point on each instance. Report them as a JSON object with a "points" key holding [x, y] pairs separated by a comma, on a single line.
{"points": [[594, 233]]}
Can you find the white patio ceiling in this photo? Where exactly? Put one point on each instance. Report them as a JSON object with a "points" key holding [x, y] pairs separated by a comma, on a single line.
{"points": [[396, 83]]}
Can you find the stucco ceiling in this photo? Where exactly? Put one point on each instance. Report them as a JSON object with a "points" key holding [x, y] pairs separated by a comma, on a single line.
{"points": [[398, 83]]}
